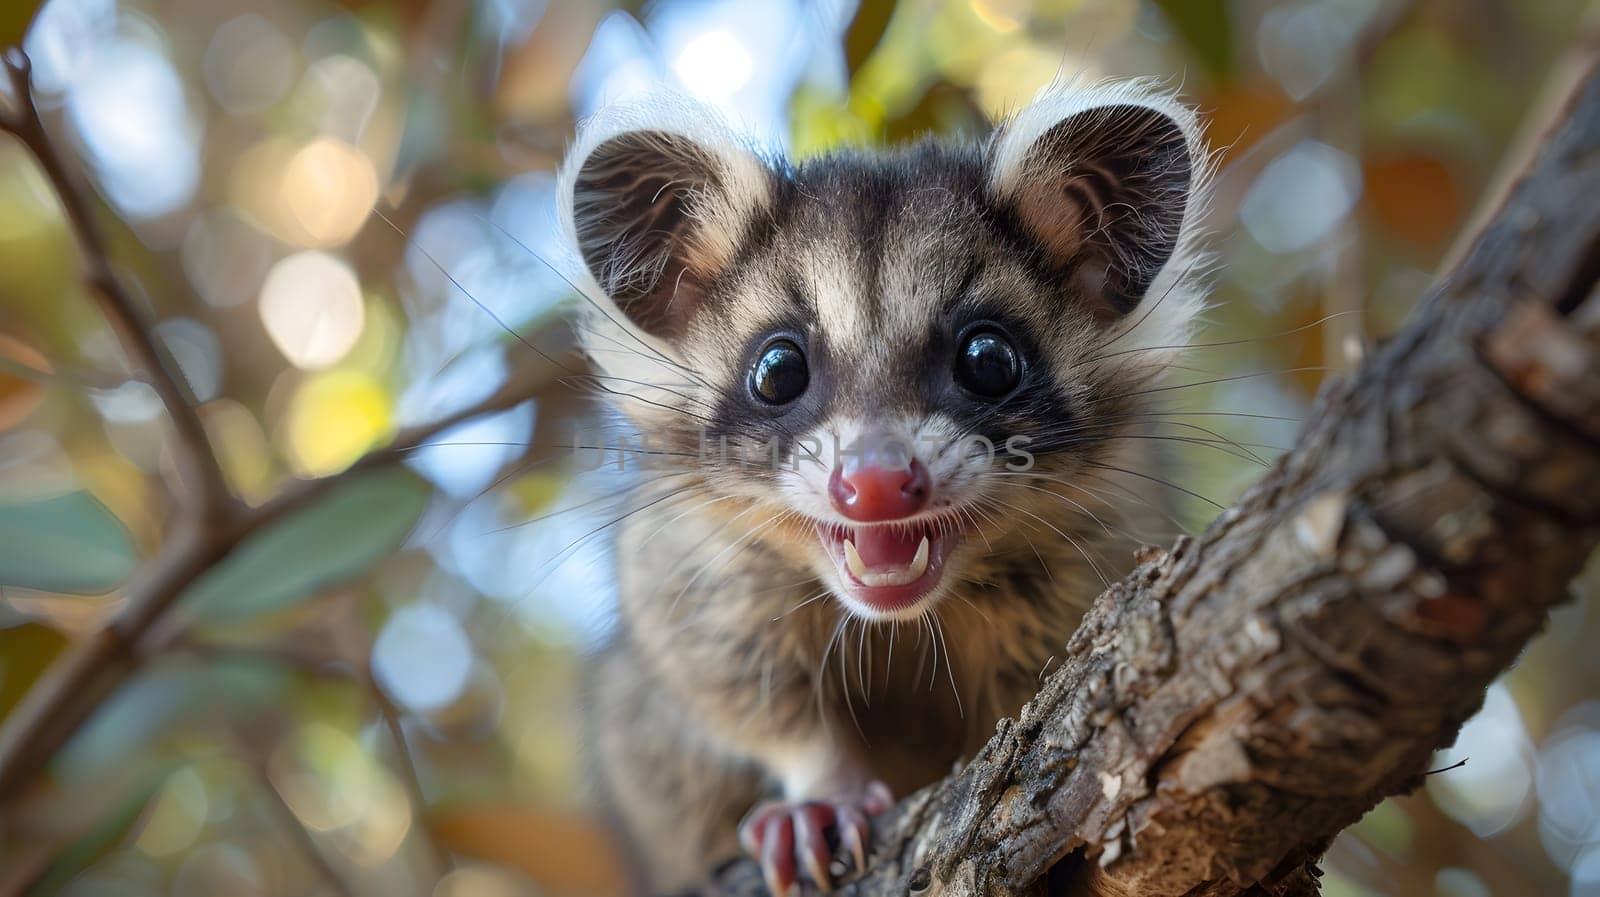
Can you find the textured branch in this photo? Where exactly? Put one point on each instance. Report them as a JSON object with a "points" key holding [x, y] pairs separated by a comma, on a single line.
{"points": [[1235, 703]]}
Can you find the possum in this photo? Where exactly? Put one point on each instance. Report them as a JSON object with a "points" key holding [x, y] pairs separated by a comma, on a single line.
{"points": [[901, 411]]}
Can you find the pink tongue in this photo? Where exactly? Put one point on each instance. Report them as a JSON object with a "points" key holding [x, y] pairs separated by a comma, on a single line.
{"points": [[887, 546]]}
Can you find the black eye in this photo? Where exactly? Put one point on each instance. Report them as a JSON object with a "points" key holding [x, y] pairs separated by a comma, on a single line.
{"points": [[988, 365], [780, 374]]}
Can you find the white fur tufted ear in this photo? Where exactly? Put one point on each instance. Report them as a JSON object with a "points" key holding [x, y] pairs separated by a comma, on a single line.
{"points": [[657, 196], [1110, 179]]}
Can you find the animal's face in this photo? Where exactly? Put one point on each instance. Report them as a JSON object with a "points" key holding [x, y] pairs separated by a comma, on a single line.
{"points": [[897, 365]]}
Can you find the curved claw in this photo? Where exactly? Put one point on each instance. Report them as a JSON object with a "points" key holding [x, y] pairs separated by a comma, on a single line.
{"points": [[787, 838], [752, 831], [812, 844], [853, 834], [777, 855]]}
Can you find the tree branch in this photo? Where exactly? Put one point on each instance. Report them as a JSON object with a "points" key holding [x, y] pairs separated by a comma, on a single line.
{"points": [[91, 669], [1236, 702], [213, 523], [357, 670], [410, 777], [207, 495], [297, 834], [526, 384]]}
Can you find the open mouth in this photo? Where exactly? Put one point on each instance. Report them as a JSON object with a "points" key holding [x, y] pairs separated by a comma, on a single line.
{"points": [[888, 568]]}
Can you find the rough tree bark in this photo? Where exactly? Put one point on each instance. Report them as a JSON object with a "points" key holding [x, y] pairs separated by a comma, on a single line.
{"points": [[1237, 701]]}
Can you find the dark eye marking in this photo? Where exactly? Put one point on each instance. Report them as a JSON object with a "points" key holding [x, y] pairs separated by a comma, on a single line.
{"points": [[988, 364], [780, 374]]}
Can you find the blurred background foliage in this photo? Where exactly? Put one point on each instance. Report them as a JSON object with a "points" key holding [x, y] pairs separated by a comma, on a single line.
{"points": [[337, 211]]}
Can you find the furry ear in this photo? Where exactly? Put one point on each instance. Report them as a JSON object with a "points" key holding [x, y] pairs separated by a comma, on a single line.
{"points": [[657, 209], [1104, 180]]}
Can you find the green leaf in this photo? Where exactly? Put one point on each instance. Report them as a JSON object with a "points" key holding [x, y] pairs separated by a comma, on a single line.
{"points": [[68, 543], [102, 836], [135, 726], [334, 541]]}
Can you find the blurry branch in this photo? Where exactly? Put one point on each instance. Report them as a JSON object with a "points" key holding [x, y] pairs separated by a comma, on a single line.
{"points": [[1234, 703], [359, 671], [523, 385], [410, 778], [1344, 294], [79, 379], [93, 668], [1566, 72], [206, 493], [304, 842]]}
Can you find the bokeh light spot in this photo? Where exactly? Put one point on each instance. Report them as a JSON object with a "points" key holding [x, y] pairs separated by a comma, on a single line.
{"points": [[1492, 791], [312, 308], [215, 869], [198, 353], [131, 113], [714, 65], [177, 815], [464, 460], [329, 187], [422, 658], [64, 38], [249, 64], [1569, 793], [1301, 197], [334, 786], [338, 95], [334, 417], [1455, 881], [241, 448], [225, 258], [480, 881]]}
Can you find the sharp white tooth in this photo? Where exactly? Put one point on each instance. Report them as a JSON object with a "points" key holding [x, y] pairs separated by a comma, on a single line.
{"points": [[852, 560], [919, 564]]}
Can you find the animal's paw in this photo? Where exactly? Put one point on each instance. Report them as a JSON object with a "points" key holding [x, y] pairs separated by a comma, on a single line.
{"points": [[788, 838]]}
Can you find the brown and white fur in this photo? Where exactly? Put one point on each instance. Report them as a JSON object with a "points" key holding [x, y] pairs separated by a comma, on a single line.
{"points": [[741, 670]]}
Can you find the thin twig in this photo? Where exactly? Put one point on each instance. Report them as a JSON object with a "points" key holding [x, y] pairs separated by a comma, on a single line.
{"points": [[207, 495], [296, 832], [214, 524], [91, 669], [392, 716], [409, 775], [515, 392]]}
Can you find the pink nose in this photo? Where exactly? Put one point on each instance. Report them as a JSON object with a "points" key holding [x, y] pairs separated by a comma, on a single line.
{"points": [[873, 493]]}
